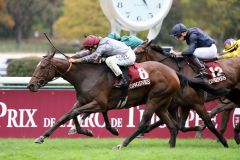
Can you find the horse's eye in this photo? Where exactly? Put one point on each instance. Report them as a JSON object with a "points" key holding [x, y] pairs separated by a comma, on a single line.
{"points": [[42, 67]]}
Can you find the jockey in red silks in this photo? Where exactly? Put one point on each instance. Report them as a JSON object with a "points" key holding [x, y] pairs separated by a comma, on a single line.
{"points": [[113, 52], [200, 45]]}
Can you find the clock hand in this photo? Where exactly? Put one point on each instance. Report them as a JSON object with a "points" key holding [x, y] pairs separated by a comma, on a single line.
{"points": [[144, 1]]}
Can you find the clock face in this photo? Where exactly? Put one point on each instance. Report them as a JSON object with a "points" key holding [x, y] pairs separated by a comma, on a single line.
{"points": [[139, 11]]}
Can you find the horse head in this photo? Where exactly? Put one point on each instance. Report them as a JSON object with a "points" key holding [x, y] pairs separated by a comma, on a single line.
{"points": [[149, 52], [44, 72]]}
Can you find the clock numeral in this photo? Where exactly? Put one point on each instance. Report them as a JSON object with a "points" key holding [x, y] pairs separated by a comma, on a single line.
{"points": [[120, 5], [139, 18], [159, 5], [128, 14], [150, 15]]}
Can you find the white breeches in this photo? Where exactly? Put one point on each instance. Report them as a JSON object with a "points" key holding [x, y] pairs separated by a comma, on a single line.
{"points": [[113, 62], [206, 52]]}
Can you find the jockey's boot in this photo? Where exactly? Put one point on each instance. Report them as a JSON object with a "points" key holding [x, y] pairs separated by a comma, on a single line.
{"points": [[123, 82], [199, 64]]}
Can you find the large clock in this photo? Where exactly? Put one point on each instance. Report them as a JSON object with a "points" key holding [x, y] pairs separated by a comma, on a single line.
{"points": [[136, 15]]}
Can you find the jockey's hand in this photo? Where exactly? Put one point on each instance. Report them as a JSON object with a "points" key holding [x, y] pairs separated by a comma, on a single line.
{"points": [[71, 60], [176, 53]]}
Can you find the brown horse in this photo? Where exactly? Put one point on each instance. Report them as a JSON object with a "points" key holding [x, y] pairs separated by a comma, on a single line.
{"points": [[226, 110], [190, 99], [93, 84]]}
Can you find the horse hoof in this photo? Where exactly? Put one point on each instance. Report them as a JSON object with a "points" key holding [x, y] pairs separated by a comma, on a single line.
{"points": [[237, 139], [118, 147], [198, 134], [39, 140], [89, 133], [114, 131], [72, 131]]}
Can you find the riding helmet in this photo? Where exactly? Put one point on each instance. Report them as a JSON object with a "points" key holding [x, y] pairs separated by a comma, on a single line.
{"points": [[90, 41], [178, 29], [229, 45]]}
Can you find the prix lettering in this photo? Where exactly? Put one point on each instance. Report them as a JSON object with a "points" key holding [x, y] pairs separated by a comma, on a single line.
{"points": [[18, 118]]}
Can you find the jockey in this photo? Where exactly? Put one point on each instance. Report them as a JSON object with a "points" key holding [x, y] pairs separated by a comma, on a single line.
{"points": [[200, 45], [231, 49], [131, 41], [116, 54]]}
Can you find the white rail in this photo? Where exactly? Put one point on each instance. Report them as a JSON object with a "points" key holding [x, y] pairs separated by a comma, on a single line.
{"points": [[25, 80]]}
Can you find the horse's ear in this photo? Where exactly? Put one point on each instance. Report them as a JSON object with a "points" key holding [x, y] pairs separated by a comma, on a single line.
{"points": [[51, 55], [149, 43]]}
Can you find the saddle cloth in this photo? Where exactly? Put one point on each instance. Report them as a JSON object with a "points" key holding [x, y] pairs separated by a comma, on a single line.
{"points": [[138, 76], [215, 72]]}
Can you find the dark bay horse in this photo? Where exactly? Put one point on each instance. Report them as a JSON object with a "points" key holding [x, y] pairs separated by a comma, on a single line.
{"points": [[93, 84], [190, 99]]}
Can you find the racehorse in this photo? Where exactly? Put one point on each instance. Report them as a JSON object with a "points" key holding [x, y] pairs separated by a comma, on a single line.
{"points": [[226, 109], [190, 99], [95, 93]]}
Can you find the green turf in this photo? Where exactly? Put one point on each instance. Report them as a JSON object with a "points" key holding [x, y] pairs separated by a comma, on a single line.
{"points": [[101, 149]]}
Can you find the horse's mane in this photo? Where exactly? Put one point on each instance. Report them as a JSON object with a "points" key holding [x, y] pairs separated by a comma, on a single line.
{"points": [[157, 48]]}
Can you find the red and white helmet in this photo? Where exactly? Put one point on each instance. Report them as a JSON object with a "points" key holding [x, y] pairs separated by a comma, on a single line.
{"points": [[90, 41]]}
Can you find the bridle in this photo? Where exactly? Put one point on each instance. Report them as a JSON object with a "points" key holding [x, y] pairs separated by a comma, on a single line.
{"points": [[48, 69]]}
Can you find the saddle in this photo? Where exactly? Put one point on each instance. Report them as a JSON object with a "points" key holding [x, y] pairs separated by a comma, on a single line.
{"points": [[214, 70], [136, 77]]}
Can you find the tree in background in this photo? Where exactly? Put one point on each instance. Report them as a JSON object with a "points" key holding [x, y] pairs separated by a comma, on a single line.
{"points": [[5, 18], [22, 11], [81, 17], [48, 16]]}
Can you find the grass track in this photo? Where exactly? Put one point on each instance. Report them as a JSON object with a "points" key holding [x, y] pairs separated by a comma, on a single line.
{"points": [[101, 149]]}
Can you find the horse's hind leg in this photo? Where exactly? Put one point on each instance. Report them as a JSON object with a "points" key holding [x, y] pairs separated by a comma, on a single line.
{"points": [[108, 125], [147, 114], [225, 119], [236, 133], [80, 130], [171, 124], [201, 111], [73, 129]]}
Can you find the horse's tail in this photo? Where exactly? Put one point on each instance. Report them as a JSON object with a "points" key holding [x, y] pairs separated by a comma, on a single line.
{"points": [[200, 84]]}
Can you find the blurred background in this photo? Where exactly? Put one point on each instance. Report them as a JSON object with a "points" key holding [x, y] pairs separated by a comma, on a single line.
{"points": [[23, 22]]}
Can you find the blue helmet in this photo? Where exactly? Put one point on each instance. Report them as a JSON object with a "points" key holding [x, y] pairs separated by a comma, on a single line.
{"points": [[178, 29]]}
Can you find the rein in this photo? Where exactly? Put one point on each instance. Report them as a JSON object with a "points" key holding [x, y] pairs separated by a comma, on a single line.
{"points": [[49, 68], [146, 51]]}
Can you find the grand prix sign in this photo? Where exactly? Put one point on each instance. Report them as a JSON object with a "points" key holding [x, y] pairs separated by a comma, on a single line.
{"points": [[27, 114]]}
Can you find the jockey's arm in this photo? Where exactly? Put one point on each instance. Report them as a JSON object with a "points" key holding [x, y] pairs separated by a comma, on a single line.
{"points": [[81, 54], [192, 46], [89, 58]]}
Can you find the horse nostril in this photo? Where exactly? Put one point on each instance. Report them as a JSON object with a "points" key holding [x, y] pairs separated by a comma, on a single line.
{"points": [[41, 82]]}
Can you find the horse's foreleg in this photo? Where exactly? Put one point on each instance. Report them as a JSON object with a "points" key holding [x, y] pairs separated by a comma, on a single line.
{"points": [[202, 112], [90, 107], [147, 114], [236, 133], [221, 107], [108, 125]]}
